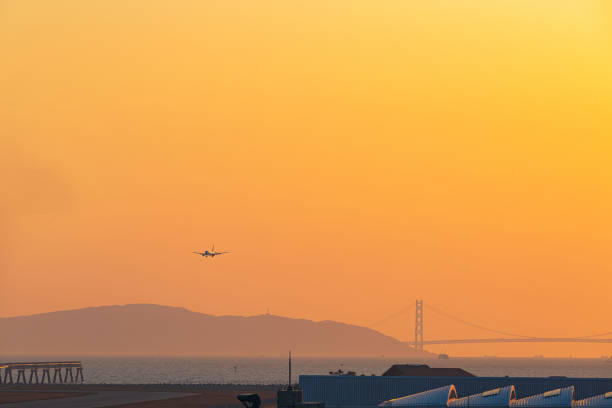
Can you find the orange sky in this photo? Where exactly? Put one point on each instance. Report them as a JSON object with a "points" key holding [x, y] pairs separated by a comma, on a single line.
{"points": [[353, 156]]}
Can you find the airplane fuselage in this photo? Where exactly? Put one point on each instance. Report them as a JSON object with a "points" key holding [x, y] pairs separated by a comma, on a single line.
{"points": [[208, 253], [212, 253]]}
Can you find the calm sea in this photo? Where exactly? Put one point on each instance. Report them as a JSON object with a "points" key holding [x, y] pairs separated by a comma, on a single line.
{"points": [[235, 370]]}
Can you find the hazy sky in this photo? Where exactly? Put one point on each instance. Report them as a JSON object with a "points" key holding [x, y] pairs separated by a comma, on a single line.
{"points": [[353, 156]]}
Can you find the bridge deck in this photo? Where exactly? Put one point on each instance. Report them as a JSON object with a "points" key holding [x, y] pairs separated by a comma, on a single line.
{"points": [[518, 340]]}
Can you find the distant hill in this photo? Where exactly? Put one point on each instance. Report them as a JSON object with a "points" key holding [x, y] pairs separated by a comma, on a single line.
{"points": [[146, 329]]}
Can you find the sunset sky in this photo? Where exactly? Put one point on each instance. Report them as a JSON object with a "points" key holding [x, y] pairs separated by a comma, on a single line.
{"points": [[352, 155]]}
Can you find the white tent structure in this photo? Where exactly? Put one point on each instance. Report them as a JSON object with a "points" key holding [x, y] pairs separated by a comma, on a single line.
{"points": [[438, 397]]}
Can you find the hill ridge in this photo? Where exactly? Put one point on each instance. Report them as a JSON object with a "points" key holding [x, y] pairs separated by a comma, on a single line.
{"points": [[153, 329]]}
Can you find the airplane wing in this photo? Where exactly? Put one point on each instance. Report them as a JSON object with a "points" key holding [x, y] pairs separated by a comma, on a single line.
{"points": [[221, 253], [199, 253]]}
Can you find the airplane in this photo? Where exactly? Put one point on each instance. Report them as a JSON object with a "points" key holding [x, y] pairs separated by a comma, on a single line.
{"points": [[210, 253]]}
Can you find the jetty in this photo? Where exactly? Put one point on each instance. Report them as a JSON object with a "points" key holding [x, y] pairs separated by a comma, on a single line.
{"points": [[62, 372]]}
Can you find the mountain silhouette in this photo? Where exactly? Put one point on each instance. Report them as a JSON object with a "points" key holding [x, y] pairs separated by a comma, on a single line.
{"points": [[147, 329]]}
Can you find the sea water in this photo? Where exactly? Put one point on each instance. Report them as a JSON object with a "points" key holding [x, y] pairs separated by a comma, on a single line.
{"points": [[243, 370]]}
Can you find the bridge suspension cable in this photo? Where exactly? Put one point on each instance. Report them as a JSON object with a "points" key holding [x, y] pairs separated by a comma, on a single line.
{"points": [[477, 326], [392, 316], [515, 337], [596, 335]]}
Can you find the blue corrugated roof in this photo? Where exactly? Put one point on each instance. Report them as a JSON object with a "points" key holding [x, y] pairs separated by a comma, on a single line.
{"points": [[497, 397], [338, 391], [438, 397], [558, 398], [598, 401]]}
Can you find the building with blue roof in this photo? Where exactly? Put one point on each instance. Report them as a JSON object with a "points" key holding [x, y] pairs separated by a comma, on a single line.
{"points": [[369, 391]]}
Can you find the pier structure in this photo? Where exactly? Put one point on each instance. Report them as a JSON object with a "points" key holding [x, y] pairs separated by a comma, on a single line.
{"points": [[7, 371]]}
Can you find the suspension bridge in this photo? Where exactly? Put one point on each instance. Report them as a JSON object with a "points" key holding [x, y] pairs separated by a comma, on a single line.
{"points": [[419, 340]]}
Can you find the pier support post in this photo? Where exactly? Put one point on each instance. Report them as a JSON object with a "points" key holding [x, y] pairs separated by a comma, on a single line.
{"points": [[47, 374], [9, 374], [33, 373], [68, 371], [57, 373], [80, 373], [21, 374]]}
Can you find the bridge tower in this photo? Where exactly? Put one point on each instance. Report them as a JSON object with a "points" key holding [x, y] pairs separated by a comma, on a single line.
{"points": [[418, 326]]}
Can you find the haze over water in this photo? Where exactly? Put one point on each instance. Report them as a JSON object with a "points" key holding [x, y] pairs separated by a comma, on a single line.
{"points": [[207, 370]]}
